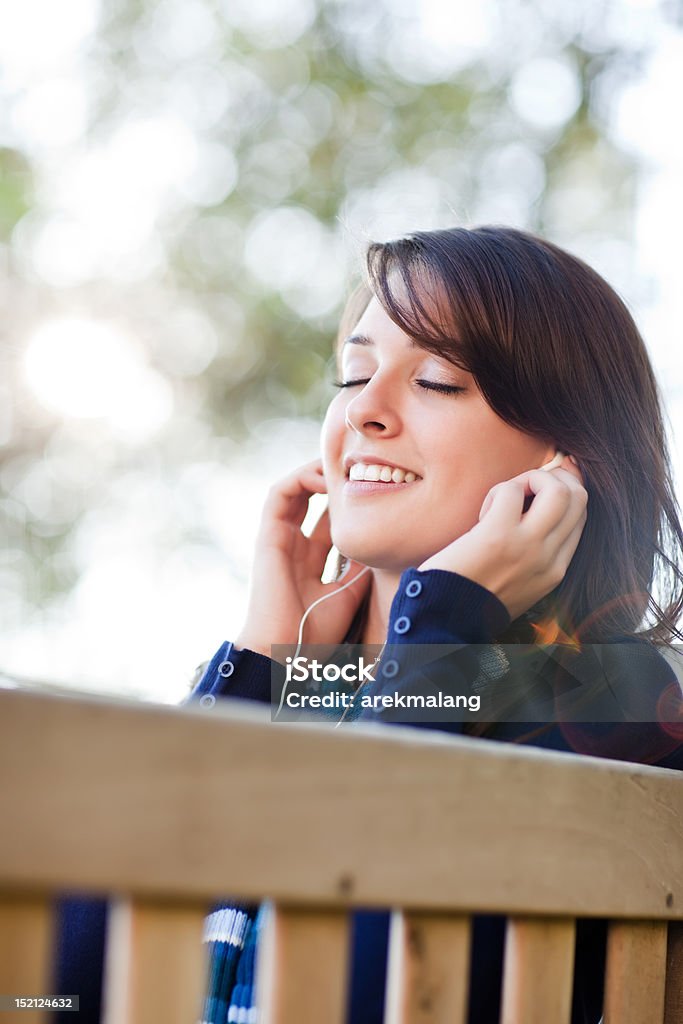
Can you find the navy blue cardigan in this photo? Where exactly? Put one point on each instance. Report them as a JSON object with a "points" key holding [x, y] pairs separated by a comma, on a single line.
{"points": [[432, 607]]}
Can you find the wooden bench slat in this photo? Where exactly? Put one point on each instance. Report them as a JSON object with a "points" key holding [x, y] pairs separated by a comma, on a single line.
{"points": [[302, 966], [673, 998], [539, 971], [428, 970], [26, 941], [635, 972], [155, 963]]}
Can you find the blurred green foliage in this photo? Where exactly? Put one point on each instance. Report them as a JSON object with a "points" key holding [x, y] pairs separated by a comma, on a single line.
{"points": [[308, 129]]}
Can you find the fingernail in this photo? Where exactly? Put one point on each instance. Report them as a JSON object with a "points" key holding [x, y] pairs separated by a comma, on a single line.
{"points": [[572, 459]]}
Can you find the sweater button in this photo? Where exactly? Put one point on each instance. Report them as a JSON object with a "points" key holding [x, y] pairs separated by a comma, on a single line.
{"points": [[226, 668], [402, 625], [390, 668], [207, 700], [414, 588]]}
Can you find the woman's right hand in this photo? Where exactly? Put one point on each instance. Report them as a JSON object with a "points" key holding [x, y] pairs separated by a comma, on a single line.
{"points": [[287, 567], [521, 556]]}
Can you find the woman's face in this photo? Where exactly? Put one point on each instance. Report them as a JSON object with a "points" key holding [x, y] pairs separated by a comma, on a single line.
{"points": [[453, 442]]}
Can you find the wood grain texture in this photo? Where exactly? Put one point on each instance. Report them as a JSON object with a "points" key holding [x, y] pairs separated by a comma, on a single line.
{"points": [[302, 967], [428, 968], [673, 998], [149, 797], [26, 941], [538, 971], [155, 964], [635, 972]]}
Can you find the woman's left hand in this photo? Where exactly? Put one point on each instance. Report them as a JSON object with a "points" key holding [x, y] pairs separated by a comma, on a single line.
{"points": [[521, 556]]}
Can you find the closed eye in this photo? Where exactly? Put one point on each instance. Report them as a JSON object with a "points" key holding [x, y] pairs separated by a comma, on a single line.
{"points": [[347, 383], [445, 389], [428, 385]]}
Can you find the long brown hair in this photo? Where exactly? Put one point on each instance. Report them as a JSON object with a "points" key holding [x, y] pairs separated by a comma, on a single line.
{"points": [[556, 353]]}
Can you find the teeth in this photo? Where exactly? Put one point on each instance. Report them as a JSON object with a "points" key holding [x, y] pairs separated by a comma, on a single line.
{"points": [[359, 471]]}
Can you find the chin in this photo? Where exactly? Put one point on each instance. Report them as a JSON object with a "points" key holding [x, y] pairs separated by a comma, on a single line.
{"points": [[379, 555]]}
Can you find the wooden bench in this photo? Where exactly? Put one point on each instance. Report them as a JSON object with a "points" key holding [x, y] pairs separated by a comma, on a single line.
{"points": [[167, 809]]}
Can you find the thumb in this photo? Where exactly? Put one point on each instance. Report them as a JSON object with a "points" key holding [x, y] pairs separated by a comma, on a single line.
{"points": [[504, 504], [488, 501]]}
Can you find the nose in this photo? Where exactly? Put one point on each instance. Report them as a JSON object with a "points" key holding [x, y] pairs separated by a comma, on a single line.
{"points": [[371, 412]]}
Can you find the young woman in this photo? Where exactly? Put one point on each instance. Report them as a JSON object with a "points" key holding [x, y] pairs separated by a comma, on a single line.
{"points": [[497, 473], [468, 361]]}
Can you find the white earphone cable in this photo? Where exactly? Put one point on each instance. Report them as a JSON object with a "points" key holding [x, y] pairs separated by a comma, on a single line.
{"points": [[303, 620]]}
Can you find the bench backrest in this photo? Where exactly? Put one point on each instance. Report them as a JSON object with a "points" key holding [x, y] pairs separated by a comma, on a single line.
{"points": [[169, 809]]}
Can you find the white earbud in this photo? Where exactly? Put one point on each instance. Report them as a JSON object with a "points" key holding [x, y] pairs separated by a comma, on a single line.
{"points": [[554, 462]]}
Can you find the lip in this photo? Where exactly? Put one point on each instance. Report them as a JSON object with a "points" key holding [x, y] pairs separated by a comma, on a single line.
{"points": [[361, 488], [374, 460]]}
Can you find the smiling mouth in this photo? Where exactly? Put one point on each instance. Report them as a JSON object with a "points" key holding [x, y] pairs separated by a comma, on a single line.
{"points": [[376, 473]]}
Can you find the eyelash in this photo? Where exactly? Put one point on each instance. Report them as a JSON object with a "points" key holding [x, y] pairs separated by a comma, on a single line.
{"points": [[428, 385]]}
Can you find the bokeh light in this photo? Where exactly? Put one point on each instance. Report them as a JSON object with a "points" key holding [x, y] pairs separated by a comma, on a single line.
{"points": [[85, 369]]}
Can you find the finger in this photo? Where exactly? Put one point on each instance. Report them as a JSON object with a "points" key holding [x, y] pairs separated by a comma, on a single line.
{"points": [[566, 462], [560, 460], [570, 465], [504, 503], [568, 474], [554, 493], [495, 495], [486, 505], [288, 499], [309, 473], [320, 535]]}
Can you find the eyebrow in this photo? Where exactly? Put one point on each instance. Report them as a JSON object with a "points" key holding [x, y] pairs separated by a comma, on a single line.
{"points": [[364, 339]]}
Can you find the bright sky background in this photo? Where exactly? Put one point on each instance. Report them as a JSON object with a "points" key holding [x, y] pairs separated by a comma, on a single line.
{"points": [[140, 618]]}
